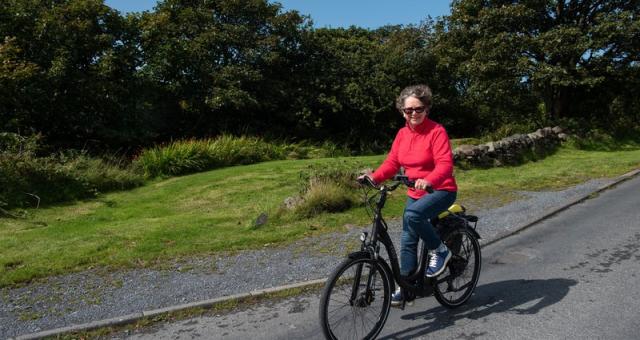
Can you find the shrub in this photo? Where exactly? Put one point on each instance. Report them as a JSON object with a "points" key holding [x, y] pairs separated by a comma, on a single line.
{"points": [[189, 156], [328, 187], [507, 130], [325, 196], [343, 172], [304, 150], [27, 179], [599, 140]]}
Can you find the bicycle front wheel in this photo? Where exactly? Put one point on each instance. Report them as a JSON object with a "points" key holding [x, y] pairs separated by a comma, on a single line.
{"points": [[456, 285], [356, 299]]}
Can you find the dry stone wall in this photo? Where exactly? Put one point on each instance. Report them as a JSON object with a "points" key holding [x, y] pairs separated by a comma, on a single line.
{"points": [[511, 150]]}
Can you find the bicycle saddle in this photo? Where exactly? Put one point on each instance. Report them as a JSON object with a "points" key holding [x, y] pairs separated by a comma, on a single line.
{"points": [[454, 209]]}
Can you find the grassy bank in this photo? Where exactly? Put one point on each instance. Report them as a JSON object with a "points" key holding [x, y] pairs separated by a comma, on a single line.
{"points": [[31, 176], [213, 211], [30, 179]]}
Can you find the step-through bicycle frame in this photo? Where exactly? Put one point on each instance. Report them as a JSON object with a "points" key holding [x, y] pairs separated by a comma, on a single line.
{"points": [[415, 282]]}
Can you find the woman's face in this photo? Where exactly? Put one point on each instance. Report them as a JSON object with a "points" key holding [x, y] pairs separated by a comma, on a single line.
{"points": [[414, 111]]}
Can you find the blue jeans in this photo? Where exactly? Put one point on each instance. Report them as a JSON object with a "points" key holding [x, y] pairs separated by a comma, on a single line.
{"points": [[416, 225]]}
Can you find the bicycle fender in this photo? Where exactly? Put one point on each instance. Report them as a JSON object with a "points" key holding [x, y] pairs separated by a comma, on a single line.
{"points": [[471, 230], [474, 232], [385, 267], [360, 255]]}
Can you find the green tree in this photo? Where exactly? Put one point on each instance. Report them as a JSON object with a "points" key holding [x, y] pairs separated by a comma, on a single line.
{"points": [[351, 78], [220, 66], [510, 54], [85, 58], [15, 76]]}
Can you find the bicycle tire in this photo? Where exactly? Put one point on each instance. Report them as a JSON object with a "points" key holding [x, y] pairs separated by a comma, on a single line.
{"points": [[456, 284], [338, 308]]}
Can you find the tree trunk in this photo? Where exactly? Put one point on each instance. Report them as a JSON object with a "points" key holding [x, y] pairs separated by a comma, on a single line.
{"points": [[557, 103]]}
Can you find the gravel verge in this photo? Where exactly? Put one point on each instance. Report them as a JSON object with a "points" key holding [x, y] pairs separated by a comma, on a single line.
{"points": [[92, 295]]}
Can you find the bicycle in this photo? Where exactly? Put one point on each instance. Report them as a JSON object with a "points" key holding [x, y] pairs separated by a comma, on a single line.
{"points": [[364, 281]]}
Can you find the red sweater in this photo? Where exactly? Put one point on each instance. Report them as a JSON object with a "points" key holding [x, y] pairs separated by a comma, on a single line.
{"points": [[424, 153]]}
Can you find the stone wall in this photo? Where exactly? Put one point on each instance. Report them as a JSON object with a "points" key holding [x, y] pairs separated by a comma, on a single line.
{"points": [[511, 150]]}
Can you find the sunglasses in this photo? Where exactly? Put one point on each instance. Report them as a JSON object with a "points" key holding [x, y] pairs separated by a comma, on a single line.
{"points": [[409, 110]]}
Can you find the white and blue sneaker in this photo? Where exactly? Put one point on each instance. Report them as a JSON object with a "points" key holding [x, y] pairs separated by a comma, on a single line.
{"points": [[438, 260], [396, 298]]}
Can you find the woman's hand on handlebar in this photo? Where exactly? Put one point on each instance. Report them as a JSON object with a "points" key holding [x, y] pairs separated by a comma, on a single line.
{"points": [[366, 179], [423, 184]]}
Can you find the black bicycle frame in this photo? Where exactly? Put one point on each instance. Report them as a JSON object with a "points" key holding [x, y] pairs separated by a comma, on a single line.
{"points": [[379, 234]]}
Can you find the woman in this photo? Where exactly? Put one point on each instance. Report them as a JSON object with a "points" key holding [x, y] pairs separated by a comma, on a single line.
{"points": [[422, 148]]}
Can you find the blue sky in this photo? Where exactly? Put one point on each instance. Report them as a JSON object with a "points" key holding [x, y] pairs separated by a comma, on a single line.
{"points": [[339, 13]]}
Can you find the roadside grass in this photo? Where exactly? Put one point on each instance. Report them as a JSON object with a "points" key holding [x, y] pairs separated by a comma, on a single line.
{"points": [[210, 212]]}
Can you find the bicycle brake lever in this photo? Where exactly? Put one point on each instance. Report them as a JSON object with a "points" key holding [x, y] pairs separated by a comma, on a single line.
{"points": [[366, 180]]}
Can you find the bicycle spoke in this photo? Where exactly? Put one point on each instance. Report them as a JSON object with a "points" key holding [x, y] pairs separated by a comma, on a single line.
{"points": [[356, 314], [364, 327], [371, 321], [338, 309], [355, 329], [458, 284]]}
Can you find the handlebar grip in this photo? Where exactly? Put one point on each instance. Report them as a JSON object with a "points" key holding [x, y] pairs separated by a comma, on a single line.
{"points": [[366, 180], [411, 184]]}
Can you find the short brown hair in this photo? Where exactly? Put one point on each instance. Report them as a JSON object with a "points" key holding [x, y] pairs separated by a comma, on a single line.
{"points": [[421, 91]]}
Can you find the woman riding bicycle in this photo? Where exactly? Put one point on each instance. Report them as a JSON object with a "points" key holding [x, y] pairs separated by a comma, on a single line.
{"points": [[422, 148]]}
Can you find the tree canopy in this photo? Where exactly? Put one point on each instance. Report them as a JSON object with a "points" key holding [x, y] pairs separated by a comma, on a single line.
{"points": [[510, 55], [84, 75]]}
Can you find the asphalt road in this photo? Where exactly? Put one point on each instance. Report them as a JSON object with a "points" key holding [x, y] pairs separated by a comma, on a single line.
{"points": [[574, 276]]}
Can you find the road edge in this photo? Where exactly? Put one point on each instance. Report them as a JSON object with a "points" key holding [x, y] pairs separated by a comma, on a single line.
{"points": [[565, 206], [134, 317]]}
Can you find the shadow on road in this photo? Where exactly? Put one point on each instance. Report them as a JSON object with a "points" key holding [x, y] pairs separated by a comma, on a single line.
{"points": [[513, 296]]}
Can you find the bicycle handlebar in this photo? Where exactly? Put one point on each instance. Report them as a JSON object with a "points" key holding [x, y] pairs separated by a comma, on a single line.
{"points": [[400, 179], [411, 184], [366, 180]]}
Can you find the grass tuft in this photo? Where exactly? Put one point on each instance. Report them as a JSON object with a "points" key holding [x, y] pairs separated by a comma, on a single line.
{"points": [[328, 187], [325, 196], [189, 156]]}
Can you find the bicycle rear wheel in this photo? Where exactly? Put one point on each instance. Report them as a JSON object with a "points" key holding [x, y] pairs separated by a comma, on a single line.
{"points": [[456, 285], [356, 300]]}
